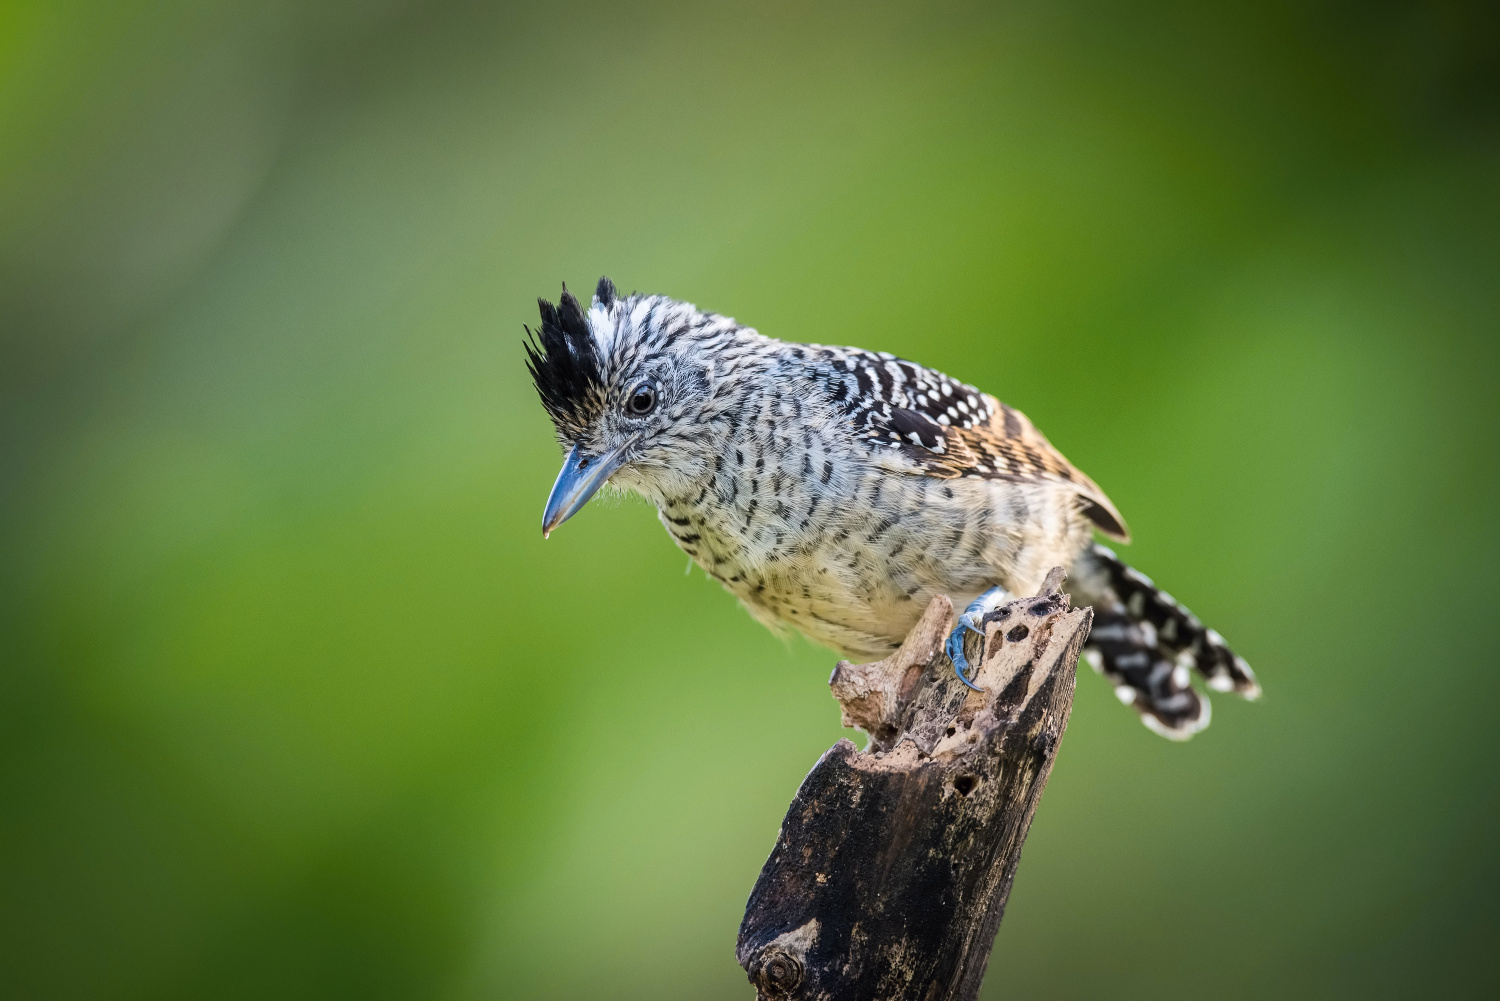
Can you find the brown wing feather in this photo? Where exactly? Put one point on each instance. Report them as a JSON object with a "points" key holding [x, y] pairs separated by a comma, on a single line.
{"points": [[1008, 446], [949, 428]]}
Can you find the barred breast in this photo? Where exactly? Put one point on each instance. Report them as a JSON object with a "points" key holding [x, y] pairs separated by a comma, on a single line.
{"points": [[830, 535]]}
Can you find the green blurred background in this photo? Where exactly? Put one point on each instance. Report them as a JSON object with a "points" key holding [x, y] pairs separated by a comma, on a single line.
{"points": [[296, 703]]}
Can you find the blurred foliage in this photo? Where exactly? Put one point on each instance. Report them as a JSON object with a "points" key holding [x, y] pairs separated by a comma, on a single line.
{"points": [[296, 703]]}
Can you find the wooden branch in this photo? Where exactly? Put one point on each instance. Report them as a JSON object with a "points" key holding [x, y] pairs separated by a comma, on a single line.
{"points": [[891, 872]]}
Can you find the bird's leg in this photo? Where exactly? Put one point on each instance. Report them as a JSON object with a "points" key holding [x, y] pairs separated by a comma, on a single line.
{"points": [[973, 620]]}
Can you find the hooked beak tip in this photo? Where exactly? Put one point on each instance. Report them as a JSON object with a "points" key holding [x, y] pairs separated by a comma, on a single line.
{"points": [[582, 474]]}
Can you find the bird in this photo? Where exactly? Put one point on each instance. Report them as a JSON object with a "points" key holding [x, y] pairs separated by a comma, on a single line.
{"points": [[835, 491]]}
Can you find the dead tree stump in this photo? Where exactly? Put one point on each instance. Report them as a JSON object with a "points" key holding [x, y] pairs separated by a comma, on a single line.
{"points": [[891, 872]]}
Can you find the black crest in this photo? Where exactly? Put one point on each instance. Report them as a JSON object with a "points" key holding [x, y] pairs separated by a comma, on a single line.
{"points": [[564, 362], [605, 293]]}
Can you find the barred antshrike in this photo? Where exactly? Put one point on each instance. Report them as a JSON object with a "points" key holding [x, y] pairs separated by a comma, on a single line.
{"points": [[837, 490]]}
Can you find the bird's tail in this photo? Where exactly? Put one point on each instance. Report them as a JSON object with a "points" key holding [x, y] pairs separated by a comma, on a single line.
{"points": [[1148, 645]]}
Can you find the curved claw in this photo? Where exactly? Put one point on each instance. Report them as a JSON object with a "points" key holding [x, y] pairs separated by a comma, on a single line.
{"points": [[966, 622]]}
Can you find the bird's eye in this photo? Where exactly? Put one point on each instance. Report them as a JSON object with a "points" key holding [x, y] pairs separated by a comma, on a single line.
{"points": [[642, 400]]}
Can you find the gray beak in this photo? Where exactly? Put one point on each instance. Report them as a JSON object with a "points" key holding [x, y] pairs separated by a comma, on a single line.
{"points": [[582, 474]]}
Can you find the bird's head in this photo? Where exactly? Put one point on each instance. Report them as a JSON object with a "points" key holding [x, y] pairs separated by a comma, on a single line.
{"points": [[630, 386]]}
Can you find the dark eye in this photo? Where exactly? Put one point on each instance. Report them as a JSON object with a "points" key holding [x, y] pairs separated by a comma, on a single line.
{"points": [[642, 399]]}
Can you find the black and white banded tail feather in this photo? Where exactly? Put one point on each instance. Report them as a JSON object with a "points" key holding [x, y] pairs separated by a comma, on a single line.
{"points": [[1148, 646]]}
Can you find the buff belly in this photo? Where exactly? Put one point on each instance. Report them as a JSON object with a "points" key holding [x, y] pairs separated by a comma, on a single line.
{"points": [[861, 580]]}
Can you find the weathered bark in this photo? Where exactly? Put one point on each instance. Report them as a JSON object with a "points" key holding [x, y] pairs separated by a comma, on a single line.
{"points": [[891, 872]]}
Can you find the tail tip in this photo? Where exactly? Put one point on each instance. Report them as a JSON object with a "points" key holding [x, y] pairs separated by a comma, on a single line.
{"points": [[1240, 680], [1179, 730]]}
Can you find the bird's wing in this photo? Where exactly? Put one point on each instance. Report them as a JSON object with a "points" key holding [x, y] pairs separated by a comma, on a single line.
{"points": [[1005, 446], [947, 429]]}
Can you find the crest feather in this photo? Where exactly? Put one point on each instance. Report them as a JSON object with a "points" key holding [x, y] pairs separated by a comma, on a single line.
{"points": [[564, 363], [605, 293]]}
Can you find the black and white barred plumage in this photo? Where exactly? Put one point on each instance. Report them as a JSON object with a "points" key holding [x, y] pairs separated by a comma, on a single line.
{"points": [[836, 490]]}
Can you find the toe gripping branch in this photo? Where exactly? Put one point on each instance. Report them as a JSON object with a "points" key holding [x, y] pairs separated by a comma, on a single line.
{"points": [[991, 606], [981, 611]]}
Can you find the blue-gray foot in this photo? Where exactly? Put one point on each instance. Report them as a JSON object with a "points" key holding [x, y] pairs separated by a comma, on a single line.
{"points": [[972, 620]]}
